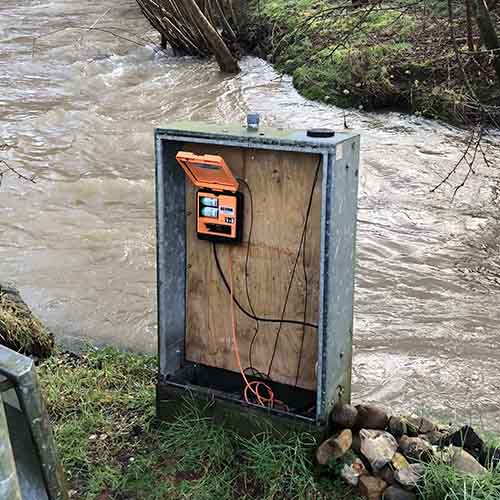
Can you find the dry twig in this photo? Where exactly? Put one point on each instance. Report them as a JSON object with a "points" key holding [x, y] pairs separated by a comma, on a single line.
{"points": [[9, 168]]}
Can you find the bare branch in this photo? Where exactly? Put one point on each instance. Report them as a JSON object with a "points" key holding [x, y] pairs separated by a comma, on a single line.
{"points": [[110, 30], [9, 168]]}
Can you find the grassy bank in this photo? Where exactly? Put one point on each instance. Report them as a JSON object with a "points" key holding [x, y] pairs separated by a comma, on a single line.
{"points": [[382, 55], [20, 329], [113, 448]]}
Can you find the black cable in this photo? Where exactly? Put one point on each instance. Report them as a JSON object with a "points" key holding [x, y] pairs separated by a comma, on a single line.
{"points": [[243, 310], [304, 323], [253, 372], [247, 288]]}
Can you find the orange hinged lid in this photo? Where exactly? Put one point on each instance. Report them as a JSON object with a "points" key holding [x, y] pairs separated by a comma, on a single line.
{"points": [[208, 171]]}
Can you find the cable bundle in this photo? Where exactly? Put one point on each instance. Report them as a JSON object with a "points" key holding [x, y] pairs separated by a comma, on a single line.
{"points": [[258, 389]]}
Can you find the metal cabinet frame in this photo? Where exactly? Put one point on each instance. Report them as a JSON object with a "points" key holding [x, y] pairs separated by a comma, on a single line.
{"points": [[340, 165], [18, 382]]}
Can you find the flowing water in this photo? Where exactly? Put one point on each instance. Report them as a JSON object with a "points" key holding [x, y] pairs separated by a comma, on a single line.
{"points": [[78, 109]]}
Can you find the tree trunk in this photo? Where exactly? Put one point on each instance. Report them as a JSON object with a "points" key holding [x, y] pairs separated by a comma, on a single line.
{"points": [[488, 33], [468, 17], [227, 62]]}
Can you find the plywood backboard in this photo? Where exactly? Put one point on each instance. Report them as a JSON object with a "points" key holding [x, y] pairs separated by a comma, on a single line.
{"points": [[281, 184]]}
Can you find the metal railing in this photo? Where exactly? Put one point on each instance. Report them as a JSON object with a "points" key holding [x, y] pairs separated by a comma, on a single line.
{"points": [[29, 468]]}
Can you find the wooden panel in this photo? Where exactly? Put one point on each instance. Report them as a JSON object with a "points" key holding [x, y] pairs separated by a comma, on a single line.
{"points": [[281, 184]]}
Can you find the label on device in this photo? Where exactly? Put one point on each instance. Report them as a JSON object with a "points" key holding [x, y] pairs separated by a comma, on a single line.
{"points": [[226, 210], [230, 220]]}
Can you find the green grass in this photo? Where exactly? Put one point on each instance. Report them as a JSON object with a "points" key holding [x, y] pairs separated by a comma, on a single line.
{"points": [[113, 448], [442, 482], [492, 439]]}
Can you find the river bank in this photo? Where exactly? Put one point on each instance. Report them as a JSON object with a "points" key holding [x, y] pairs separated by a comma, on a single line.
{"points": [[378, 56], [80, 243], [112, 447]]}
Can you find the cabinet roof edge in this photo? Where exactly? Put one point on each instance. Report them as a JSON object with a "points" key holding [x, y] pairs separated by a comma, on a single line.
{"points": [[239, 133]]}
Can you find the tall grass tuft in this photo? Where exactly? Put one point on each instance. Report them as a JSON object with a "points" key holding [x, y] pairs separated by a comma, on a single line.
{"points": [[21, 331], [283, 468], [443, 482]]}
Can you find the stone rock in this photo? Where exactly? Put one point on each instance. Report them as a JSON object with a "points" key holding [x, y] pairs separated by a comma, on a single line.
{"points": [[435, 437], [446, 428], [351, 473], [427, 426], [399, 461], [414, 448], [334, 447], [371, 488], [396, 493], [397, 427], [412, 425], [410, 476], [419, 425], [464, 462], [371, 417], [378, 447], [344, 416], [468, 439], [386, 473], [442, 454]]}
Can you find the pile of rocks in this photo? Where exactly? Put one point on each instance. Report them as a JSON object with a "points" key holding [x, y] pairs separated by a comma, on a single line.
{"points": [[385, 457]]}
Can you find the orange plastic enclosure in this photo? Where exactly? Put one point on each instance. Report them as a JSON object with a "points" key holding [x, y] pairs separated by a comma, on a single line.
{"points": [[208, 171], [219, 205]]}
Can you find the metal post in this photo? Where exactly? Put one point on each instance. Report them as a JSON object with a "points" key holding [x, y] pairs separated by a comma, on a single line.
{"points": [[9, 484], [20, 371]]}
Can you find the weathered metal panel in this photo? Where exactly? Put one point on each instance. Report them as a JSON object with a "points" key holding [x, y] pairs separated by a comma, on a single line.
{"points": [[340, 232], [294, 140], [325, 264], [171, 256], [20, 370], [27, 463], [246, 419], [338, 226], [9, 483]]}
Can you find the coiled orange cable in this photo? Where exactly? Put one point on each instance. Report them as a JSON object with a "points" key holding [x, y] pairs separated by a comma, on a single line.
{"points": [[254, 387]]}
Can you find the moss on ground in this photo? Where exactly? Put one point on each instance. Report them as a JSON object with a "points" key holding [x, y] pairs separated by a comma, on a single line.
{"points": [[384, 55]]}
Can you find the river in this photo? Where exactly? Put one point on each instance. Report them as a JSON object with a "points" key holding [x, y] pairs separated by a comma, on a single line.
{"points": [[78, 109]]}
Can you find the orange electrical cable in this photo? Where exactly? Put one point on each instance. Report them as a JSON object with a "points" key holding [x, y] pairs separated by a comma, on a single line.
{"points": [[250, 386]]}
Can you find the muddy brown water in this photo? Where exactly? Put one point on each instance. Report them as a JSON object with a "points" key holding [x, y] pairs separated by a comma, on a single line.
{"points": [[78, 108]]}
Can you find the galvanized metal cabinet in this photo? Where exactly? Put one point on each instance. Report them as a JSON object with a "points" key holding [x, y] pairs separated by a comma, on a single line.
{"points": [[339, 160]]}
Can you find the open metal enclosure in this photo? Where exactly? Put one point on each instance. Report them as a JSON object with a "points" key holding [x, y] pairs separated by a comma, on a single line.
{"points": [[280, 164], [29, 469]]}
